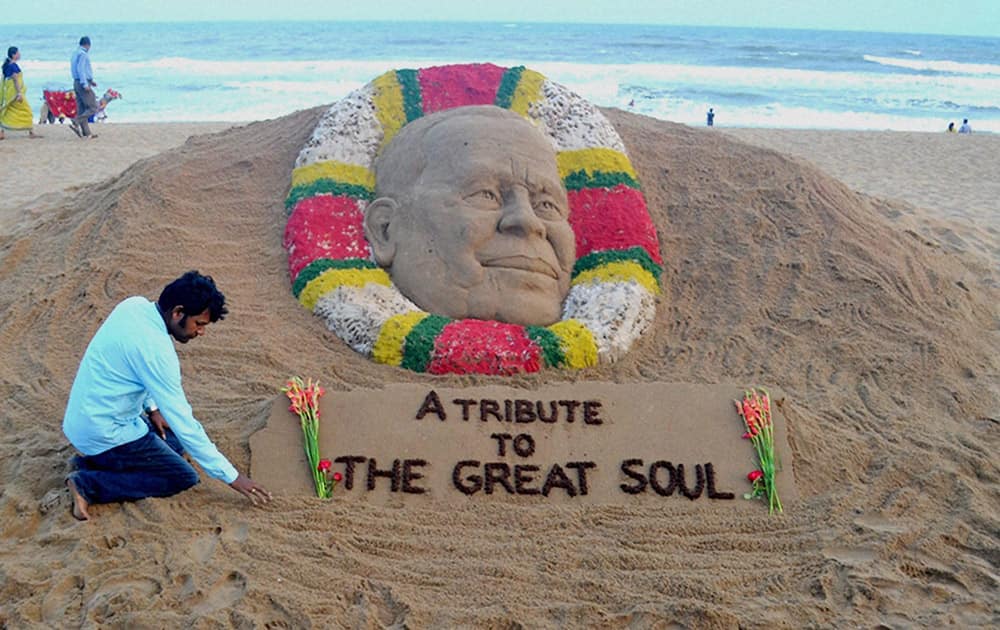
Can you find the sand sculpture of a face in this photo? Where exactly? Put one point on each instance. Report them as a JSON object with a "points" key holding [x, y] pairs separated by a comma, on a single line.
{"points": [[471, 218], [472, 251]]}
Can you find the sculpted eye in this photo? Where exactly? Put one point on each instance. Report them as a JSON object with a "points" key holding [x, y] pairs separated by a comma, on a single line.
{"points": [[485, 197], [547, 207]]}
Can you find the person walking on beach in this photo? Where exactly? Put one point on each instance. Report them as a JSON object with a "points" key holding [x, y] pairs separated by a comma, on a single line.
{"points": [[127, 412], [83, 86], [710, 117], [15, 113], [966, 127]]}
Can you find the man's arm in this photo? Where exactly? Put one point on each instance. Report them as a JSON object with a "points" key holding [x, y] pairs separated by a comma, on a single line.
{"points": [[84, 73], [242, 484], [250, 489], [161, 376], [78, 68], [155, 417]]}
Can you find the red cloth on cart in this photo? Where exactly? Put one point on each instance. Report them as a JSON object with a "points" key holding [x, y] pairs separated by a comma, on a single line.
{"points": [[61, 104]]}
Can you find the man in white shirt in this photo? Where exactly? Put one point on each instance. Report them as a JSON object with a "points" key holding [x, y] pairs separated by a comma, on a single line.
{"points": [[127, 412], [966, 127], [83, 87]]}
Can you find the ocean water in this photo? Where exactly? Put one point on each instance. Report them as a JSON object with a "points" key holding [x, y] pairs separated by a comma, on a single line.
{"points": [[239, 71]]}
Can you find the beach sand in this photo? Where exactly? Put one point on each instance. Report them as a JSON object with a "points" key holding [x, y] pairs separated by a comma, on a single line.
{"points": [[877, 318], [41, 171], [951, 177]]}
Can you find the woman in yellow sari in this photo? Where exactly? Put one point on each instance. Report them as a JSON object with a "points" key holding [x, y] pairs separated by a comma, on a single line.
{"points": [[15, 113]]}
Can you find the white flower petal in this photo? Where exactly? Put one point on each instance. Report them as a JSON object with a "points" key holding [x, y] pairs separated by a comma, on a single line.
{"points": [[356, 314], [348, 132], [615, 312]]}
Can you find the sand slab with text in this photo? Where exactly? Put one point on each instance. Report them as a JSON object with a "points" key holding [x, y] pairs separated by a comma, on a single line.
{"points": [[599, 443]]}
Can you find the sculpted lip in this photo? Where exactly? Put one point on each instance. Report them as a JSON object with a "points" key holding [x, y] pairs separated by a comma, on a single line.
{"points": [[522, 263]]}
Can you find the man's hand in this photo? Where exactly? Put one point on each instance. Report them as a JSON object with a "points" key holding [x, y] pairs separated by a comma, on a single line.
{"points": [[159, 423], [249, 488]]}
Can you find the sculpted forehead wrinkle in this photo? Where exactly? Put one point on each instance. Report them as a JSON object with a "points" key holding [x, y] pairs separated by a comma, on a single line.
{"points": [[461, 145], [540, 182]]}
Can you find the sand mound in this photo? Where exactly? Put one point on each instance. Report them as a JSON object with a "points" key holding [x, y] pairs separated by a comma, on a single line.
{"points": [[885, 342]]}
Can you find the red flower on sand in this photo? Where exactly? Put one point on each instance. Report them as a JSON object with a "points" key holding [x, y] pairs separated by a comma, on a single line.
{"points": [[755, 410], [331, 479], [304, 397]]}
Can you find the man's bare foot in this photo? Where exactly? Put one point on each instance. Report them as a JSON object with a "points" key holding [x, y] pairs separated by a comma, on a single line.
{"points": [[80, 504], [91, 136]]}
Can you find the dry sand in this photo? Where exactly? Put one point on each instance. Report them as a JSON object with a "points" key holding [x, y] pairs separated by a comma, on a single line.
{"points": [[953, 175], [881, 328], [41, 171]]}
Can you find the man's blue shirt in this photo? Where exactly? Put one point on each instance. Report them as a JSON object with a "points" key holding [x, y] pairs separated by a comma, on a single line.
{"points": [[130, 362], [79, 66]]}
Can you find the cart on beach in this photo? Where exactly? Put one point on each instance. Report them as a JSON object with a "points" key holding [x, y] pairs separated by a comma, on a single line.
{"points": [[61, 105]]}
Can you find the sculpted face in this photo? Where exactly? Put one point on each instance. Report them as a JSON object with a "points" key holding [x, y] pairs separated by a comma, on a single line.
{"points": [[471, 217]]}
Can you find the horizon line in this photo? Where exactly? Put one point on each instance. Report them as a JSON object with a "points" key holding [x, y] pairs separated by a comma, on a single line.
{"points": [[499, 22]]}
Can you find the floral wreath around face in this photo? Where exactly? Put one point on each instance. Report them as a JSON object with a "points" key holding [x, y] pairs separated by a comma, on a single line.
{"points": [[612, 298]]}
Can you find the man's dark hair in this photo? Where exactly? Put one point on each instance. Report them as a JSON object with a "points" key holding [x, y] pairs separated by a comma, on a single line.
{"points": [[85, 41], [195, 293]]}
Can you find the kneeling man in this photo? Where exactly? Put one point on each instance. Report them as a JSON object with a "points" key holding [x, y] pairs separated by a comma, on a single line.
{"points": [[127, 412]]}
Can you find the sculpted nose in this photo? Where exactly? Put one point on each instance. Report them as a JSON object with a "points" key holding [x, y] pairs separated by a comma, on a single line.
{"points": [[519, 217]]}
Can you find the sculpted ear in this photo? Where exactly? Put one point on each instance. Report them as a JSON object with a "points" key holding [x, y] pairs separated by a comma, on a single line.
{"points": [[378, 215]]}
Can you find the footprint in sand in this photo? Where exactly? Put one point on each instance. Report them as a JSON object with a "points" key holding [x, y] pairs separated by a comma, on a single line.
{"points": [[204, 546], [377, 605], [53, 499], [223, 594], [849, 556], [119, 595], [879, 523], [236, 533], [66, 596]]}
